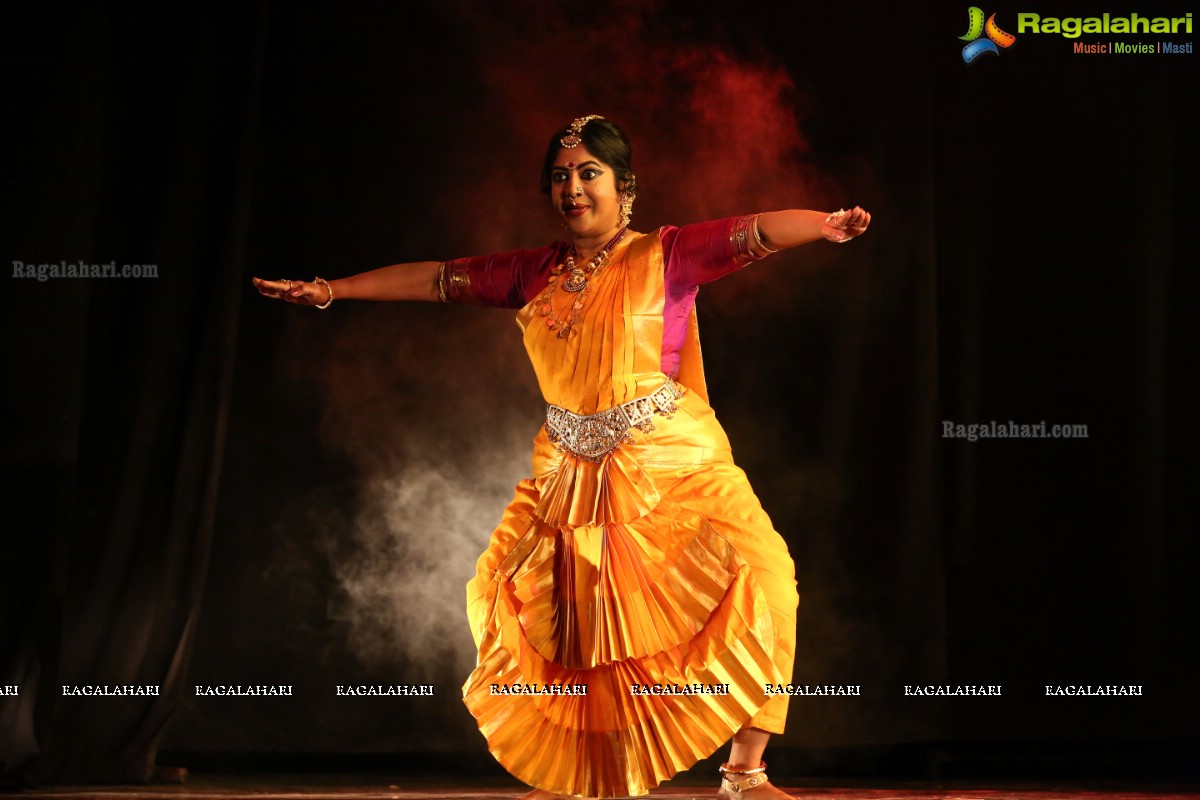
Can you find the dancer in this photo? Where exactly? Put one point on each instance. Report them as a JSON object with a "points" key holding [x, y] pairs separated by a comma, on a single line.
{"points": [[635, 600]]}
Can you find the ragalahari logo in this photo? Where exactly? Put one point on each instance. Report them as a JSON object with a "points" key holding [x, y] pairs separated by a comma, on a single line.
{"points": [[976, 27]]}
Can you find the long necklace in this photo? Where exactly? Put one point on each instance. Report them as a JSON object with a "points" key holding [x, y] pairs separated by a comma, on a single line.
{"points": [[578, 280]]}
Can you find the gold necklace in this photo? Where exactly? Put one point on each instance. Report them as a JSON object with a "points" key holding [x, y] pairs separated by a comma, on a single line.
{"points": [[578, 280]]}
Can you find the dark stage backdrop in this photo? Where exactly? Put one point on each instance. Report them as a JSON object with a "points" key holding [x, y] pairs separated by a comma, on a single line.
{"points": [[203, 487]]}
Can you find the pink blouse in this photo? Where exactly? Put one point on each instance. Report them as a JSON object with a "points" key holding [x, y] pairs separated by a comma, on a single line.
{"points": [[694, 255]]}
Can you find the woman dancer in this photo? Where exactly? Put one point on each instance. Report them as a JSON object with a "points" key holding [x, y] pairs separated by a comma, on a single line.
{"points": [[635, 600]]}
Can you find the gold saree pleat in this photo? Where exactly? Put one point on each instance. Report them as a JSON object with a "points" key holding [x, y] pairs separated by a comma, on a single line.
{"points": [[654, 567], [699, 620], [581, 492]]}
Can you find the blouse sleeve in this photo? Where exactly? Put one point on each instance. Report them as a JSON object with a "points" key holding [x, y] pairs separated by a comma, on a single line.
{"points": [[702, 252], [504, 280]]}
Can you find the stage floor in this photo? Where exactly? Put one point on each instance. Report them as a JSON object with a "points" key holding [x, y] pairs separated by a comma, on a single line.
{"points": [[348, 788]]}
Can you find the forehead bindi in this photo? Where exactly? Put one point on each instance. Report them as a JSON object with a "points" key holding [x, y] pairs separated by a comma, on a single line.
{"points": [[574, 158]]}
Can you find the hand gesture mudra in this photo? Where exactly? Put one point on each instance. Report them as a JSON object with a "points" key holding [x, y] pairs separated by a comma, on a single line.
{"points": [[316, 293], [842, 226]]}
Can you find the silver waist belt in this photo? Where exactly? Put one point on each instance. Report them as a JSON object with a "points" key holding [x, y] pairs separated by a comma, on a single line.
{"points": [[594, 436]]}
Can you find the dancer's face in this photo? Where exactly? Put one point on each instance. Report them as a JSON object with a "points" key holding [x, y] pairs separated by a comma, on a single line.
{"points": [[583, 190]]}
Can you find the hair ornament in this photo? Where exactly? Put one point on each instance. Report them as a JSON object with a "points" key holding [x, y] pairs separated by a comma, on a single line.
{"points": [[573, 138]]}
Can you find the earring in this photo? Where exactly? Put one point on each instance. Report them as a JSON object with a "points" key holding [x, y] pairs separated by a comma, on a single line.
{"points": [[627, 206]]}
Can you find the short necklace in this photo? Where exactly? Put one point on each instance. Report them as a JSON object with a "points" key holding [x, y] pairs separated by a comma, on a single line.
{"points": [[577, 280]]}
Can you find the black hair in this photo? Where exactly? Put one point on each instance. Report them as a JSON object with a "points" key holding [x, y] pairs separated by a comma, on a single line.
{"points": [[606, 141]]}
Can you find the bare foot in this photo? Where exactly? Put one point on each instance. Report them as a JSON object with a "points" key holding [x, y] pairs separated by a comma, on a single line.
{"points": [[538, 794]]}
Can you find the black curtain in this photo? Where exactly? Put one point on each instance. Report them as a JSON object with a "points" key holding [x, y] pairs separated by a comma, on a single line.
{"points": [[137, 152]]}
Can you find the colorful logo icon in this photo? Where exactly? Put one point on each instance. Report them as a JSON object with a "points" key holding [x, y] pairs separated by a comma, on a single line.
{"points": [[976, 27]]}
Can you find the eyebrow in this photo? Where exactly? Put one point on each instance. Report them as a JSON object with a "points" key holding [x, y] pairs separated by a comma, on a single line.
{"points": [[561, 168]]}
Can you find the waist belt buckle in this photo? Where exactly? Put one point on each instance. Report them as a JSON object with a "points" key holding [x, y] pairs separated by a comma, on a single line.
{"points": [[593, 437]]}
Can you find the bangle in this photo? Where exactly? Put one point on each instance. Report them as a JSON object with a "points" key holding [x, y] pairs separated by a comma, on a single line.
{"points": [[441, 283], [746, 240], [758, 239], [329, 289]]}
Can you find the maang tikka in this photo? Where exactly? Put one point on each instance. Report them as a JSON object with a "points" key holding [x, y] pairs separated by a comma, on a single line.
{"points": [[573, 138]]}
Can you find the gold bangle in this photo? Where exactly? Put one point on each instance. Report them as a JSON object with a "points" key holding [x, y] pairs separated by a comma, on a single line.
{"points": [[758, 238], [329, 289], [747, 240], [441, 283]]}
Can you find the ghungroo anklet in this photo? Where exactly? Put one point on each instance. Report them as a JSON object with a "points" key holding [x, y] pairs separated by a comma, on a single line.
{"points": [[746, 778]]}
